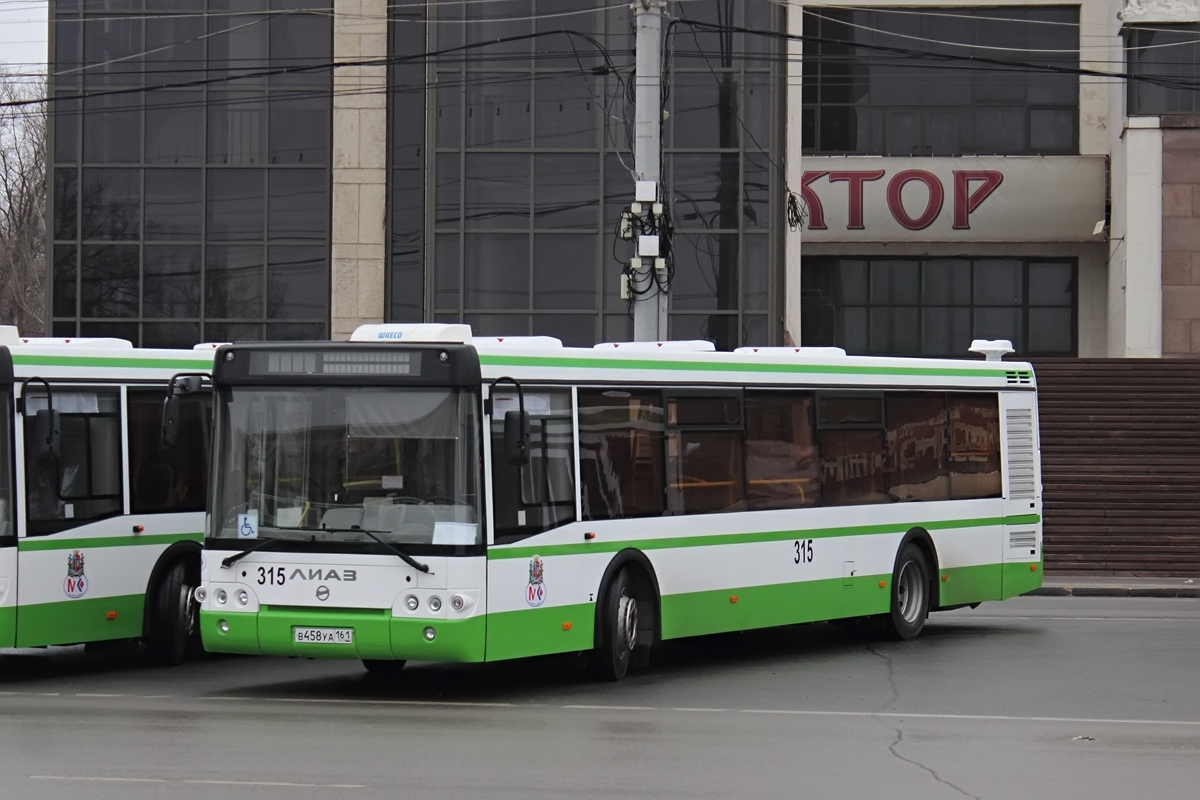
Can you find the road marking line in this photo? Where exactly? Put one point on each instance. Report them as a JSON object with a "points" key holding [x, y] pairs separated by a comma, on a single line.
{"points": [[976, 717], [452, 703], [96, 694], [276, 784], [612, 708]]}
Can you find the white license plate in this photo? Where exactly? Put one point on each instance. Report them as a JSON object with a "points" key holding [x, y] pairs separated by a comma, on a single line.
{"points": [[323, 635]]}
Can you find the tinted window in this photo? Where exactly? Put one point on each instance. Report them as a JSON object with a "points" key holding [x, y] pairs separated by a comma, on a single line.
{"points": [[705, 462], [621, 453], [168, 479], [782, 469], [917, 451], [84, 482], [851, 444], [540, 495], [1164, 58], [974, 446]]}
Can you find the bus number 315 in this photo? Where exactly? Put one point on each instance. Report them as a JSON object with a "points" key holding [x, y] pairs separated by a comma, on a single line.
{"points": [[804, 551]]}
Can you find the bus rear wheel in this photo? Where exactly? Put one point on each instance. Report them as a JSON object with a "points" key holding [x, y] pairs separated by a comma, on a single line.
{"points": [[618, 633], [174, 618], [910, 594]]}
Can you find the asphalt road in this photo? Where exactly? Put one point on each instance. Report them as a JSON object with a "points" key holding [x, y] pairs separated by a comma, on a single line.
{"points": [[1033, 698]]}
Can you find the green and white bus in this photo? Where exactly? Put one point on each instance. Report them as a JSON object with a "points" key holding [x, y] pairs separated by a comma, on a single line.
{"points": [[100, 523], [420, 494]]}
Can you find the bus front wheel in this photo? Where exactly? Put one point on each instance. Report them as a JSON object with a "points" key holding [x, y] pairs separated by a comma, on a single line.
{"points": [[174, 620], [618, 634], [910, 594]]}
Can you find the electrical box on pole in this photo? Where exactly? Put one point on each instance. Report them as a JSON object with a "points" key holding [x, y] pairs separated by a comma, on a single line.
{"points": [[647, 284]]}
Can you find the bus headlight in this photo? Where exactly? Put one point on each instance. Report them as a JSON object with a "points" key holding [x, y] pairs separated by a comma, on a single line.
{"points": [[430, 634], [243, 597], [222, 597], [435, 603], [201, 594], [457, 602], [411, 602]]}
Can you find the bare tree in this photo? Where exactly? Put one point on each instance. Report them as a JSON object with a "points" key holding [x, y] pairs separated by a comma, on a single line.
{"points": [[22, 206]]}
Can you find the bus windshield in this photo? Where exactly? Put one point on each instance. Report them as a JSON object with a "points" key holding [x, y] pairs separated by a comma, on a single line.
{"points": [[348, 464]]}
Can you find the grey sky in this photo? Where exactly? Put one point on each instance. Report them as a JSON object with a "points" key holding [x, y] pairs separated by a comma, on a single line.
{"points": [[23, 33]]}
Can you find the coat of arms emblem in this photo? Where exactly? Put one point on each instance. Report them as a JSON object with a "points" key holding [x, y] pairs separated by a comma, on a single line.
{"points": [[76, 583], [535, 590]]}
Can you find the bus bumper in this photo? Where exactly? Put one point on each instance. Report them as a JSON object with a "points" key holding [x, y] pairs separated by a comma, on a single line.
{"points": [[376, 635]]}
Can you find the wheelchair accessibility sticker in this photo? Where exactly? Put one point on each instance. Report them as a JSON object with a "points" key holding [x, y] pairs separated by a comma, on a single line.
{"points": [[248, 525]]}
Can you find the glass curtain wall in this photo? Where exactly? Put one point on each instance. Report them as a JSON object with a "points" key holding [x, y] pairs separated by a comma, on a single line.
{"points": [[507, 218], [885, 81], [198, 211]]}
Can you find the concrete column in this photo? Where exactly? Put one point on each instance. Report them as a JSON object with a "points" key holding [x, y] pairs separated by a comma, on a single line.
{"points": [[794, 171], [1135, 273], [359, 166]]}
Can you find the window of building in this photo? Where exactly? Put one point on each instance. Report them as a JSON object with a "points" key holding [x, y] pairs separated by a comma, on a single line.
{"points": [[198, 212], [1163, 62], [621, 453], [534, 497], [84, 483], [782, 469], [513, 203], [867, 92], [936, 307], [168, 479]]}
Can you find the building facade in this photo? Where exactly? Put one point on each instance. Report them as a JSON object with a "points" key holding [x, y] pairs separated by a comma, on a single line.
{"points": [[244, 169]]}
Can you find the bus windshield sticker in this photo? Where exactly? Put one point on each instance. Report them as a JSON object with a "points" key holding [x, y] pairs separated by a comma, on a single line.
{"points": [[248, 525], [454, 532]]}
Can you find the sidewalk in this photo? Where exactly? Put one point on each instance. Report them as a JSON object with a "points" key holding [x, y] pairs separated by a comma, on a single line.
{"points": [[1108, 586]]}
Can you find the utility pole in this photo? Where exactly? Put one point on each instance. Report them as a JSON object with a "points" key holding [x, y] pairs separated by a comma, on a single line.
{"points": [[648, 275]]}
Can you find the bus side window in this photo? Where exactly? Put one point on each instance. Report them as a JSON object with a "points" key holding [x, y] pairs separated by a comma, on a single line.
{"points": [[705, 465], [168, 479], [782, 468], [852, 448], [621, 453], [974, 446], [539, 495], [85, 483], [917, 433]]}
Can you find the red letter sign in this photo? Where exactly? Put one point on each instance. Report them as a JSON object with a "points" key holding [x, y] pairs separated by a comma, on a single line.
{"points": [[856, 180], [932, 208], [816, 212], [964, 200]]}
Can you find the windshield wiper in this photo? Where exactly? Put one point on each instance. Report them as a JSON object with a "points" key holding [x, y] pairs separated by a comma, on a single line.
{"points": [[226, 563], [405, 557]]}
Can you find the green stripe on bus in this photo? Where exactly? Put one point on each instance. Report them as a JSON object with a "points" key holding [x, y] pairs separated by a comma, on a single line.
{"points": [[1021, 577], [964, 585], [113, 362], [82, 620], [740, 366], [714, 540], [8, 627], [32, 545]]}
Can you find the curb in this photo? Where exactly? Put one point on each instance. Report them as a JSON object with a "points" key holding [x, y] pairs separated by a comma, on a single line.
{"points": [[1116, 591]]}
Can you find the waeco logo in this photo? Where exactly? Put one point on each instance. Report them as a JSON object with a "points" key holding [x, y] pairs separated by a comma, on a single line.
{"points": [[320, 574], [391, 334]]}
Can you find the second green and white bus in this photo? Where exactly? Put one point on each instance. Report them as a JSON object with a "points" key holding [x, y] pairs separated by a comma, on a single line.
{"points": [[100, 523], [421, 494]]}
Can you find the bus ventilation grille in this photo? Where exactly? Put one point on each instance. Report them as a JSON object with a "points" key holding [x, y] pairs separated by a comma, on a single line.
{"points": [[1021, 473], [1022, 540], [1021, 376]]}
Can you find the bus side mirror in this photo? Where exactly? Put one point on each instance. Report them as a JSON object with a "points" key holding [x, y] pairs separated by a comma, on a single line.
{"points": [[170, 420], [47, 436], [516, 437]]}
